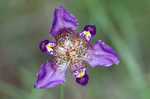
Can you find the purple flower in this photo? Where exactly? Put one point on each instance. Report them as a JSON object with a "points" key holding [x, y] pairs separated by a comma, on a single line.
{"points": [[71, 49]]}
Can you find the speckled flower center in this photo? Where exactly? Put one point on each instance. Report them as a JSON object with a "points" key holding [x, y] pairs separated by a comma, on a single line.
{"points": [[70, 47]]}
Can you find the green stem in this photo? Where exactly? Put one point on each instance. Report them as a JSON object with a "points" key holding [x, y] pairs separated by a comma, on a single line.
{"points": [[62, 91]]}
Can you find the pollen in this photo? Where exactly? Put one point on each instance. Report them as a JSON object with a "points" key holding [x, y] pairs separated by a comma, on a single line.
{"points": [[87, 34], [72, 53], [49, 47], [80, 74]]}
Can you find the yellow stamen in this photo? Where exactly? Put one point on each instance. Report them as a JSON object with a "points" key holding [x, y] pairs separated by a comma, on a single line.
{"points": [[81, 74], [87, 34], [49, 47], [72, 53]]}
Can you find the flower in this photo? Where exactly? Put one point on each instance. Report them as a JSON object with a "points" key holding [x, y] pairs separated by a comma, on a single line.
{"points": [[71, 49]]}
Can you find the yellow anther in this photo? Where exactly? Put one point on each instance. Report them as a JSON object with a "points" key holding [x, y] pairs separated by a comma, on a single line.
{"points": [[49, 47], [72, 53], [87, 34], [81, 74]]}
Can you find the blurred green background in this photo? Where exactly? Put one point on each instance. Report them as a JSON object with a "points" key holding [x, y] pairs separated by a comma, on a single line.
{"points": [[122, 24]]}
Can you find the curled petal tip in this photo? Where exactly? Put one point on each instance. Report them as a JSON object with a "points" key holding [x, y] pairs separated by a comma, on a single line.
{"points": [[81, 76], [88, 32], [43, 44], [91, 28], [46, 46], [83, 80]]}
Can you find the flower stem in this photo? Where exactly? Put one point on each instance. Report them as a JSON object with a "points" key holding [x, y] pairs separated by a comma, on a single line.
{"points": [[62, 91]]}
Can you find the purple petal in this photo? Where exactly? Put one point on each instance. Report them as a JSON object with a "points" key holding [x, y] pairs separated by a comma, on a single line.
{"points": [[88, 32], [46, 46], [81, 76], [101, 54], [83, 80], [91, 28], [48, 76], [62, 20]]}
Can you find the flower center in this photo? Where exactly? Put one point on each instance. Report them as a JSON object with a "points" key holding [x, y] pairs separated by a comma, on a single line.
{"points": [[70, 47], [69, 44]]}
